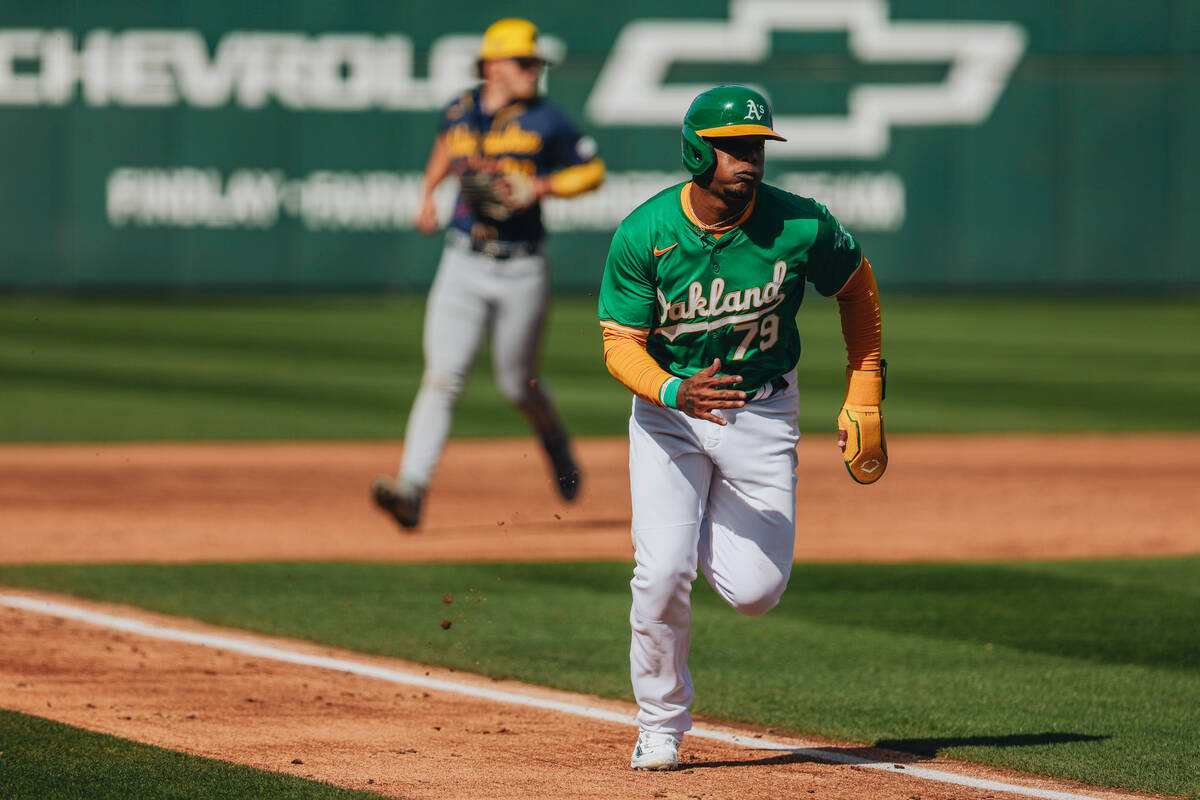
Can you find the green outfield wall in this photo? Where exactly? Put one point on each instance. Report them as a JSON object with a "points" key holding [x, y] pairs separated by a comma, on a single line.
{"points": [[969, 144]]}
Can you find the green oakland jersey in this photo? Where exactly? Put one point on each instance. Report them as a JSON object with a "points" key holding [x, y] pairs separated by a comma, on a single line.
{"points": [[735, 297]]}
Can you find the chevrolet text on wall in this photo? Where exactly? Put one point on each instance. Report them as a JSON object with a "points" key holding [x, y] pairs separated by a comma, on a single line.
{"points": [[360, 72]]}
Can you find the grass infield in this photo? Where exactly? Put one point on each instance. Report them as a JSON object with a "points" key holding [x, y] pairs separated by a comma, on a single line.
{"points": [[1083, 670], [280, 368], [43, 759]]}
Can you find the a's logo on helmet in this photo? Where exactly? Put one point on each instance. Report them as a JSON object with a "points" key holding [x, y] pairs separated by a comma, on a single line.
{"points": [[756, 110]]}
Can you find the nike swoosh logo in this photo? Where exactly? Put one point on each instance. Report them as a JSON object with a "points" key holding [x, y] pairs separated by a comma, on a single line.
{"points": [[658, 252]]}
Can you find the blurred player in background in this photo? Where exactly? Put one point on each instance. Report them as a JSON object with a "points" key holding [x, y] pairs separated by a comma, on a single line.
{"points": [[508, 148], [698, 307]]}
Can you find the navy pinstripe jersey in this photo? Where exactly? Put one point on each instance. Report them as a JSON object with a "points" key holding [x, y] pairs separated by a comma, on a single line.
{"points": [[530, 136]]}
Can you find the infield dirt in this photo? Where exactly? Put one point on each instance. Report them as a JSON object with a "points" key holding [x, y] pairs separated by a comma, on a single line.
{"points": [[944, 498]]}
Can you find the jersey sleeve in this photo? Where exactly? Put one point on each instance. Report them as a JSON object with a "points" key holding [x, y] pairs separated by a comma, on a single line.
{"points": [[567, 145], [628, 295], [834, 255], [453, 111]]}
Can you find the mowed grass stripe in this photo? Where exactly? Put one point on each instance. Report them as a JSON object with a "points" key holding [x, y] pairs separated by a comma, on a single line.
{"points": [[44, 759], [317, 367], [1083, 670]]}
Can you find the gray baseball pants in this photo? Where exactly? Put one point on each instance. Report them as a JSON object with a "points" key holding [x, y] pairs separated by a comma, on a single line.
{"points": [[473, 296]]}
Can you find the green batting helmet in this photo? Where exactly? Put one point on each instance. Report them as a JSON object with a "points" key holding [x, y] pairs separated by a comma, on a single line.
{"points": [[723, 111]]}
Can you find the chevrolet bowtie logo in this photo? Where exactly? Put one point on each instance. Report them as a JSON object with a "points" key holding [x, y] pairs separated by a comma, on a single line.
{"points": [[631, 89]]}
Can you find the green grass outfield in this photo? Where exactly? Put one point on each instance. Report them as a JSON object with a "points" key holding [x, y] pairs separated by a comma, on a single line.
{"points": [[271, 368], [45, 760], [1085, 670]]}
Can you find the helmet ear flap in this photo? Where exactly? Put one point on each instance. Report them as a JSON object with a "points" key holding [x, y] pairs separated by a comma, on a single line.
{"points": [[697, 154]]}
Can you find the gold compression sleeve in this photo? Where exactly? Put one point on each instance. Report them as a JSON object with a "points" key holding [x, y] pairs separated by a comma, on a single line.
{"points": [[627, 360], [858, 305], [860, 421], [577, 179]]}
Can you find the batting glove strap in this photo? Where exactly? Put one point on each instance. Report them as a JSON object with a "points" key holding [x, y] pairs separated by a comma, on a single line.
{"points": [[865, 387]]}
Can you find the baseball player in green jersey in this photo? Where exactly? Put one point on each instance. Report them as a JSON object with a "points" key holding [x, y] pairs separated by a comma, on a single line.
{"points": [[698, 305]]}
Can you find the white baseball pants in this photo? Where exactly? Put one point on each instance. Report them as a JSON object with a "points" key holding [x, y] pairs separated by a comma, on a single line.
{"points": [[718, 496], [474, 295]]}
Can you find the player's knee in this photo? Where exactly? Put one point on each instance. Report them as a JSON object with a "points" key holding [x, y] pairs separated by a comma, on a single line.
{"points": [[443, 383], [660, 592], [756, 599], [757, 605], [520, 391]]}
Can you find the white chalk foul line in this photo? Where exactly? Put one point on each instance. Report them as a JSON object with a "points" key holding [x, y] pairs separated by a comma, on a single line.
{"points": [[259, 650]]}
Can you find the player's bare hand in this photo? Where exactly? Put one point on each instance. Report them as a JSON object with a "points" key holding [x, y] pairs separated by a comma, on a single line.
{"points": [[843, 437], [705, 392], [427, 219]]}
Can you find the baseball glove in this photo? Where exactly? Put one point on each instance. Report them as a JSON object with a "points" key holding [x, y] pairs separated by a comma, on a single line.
{"points": [[497, 196]]}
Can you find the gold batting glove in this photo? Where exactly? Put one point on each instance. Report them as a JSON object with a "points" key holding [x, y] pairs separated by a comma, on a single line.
{"points": [[860, 424]]}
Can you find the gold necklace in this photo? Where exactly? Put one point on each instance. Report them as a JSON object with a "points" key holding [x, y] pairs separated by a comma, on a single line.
{"points": [[724, 223], [727, 222]]}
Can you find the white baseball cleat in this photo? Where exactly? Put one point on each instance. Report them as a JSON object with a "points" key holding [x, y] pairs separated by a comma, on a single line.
{"points": [[655, 751]]}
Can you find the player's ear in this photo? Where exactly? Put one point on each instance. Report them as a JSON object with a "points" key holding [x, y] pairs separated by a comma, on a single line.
{"points": [[704, 179]]}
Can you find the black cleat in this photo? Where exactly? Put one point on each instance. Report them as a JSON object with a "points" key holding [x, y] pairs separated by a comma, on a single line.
{"points": [[401, 501], [566, 471]]}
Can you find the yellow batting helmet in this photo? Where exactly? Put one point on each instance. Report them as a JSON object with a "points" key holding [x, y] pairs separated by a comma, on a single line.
{"points": [[510, 38]]}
